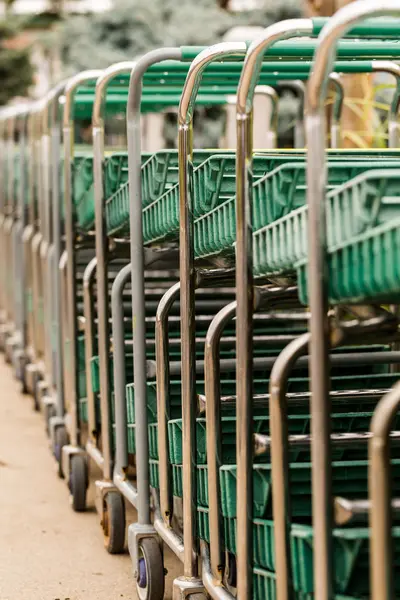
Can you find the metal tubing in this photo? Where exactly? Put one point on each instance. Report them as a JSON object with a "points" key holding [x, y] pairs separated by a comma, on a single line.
{"points": [[187, 277], [280, 461], [137, 261], [244, 289], [169, 536], [95, 454], [163, 403], [117, 312], [217, 592], [70, 232], [51, 131], [337, 108], [343, 359], [126, 488], [102, 254], [89, 278], [387, 66], [324, 59], [270, 93], [214, 436], [380, 486], [299, 88]]}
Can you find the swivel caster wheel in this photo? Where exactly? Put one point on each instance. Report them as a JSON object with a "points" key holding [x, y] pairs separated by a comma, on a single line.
{"points": [[78, 482], [150, 582], [7, 355], [114, 523], [60, 440], [20, 373], [36, 403], [50, 412]]}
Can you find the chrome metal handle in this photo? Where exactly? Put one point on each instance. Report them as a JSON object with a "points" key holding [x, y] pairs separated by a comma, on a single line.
{"points": [[392, 68]]}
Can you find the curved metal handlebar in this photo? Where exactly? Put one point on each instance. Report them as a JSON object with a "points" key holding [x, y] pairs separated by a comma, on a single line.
{"points": [[101, 86], [334, 79], [252, 65], [387, 66], [49, 114], [70, 89], [102, 254], [380, 484]]}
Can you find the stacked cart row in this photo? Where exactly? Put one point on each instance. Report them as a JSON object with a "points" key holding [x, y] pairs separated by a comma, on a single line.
{"points": [[218, 329]]}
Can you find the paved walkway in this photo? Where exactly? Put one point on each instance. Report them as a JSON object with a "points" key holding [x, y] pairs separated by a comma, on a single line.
{"points": [[48, 552]]}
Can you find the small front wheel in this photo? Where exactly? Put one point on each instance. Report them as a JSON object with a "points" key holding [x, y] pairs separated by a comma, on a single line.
{"points": [[114, 523], [36, 395], [78, 482], [60, 440], [50, 412], [150, 581]]}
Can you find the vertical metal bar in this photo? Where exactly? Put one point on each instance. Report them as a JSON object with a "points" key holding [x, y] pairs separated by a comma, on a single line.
{"points": [[244, 291], [214, 435], [337, 108], [102, 254], [280, 462], [56, 213], [380, 486], [46, 158], [137, 262], [387, 66], [89, 312], [163, 400], [117, 312], [270, 93], [70, 234], [22, 224], [324, 58], [298, 87], [187, 277]]}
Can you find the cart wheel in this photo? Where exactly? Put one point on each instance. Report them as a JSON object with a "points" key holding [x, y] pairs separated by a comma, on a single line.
{"points": [[21, 376], [36, 404], [50, 413], [150, 582], [7, 355], [78, 482], [114, 523], [60, 440]]}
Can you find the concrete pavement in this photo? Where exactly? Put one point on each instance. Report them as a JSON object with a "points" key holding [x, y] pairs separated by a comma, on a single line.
{"points": [[48, 552]]}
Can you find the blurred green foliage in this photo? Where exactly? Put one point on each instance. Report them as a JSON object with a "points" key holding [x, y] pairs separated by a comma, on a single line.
{"points": [[16, 71]]}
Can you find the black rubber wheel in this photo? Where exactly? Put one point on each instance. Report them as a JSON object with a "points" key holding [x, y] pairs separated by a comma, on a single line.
{"points": [[60, 440], [114, 523], [78, 481], [50, 413], [7, 356], [150, 582], [36, 404], [21, 375]]}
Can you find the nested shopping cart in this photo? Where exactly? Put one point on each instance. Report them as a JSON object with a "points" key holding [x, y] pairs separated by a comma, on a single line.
{"points": [[14, 158], [160, 222], [104, 206], [283, 548], [348, 358]]}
